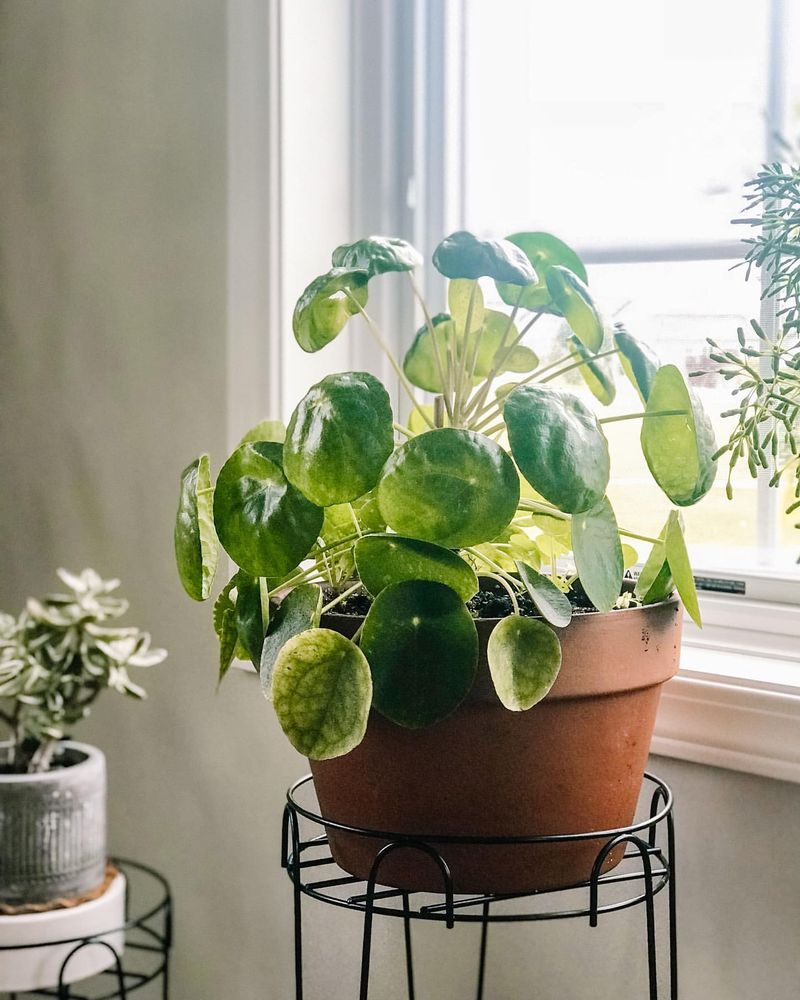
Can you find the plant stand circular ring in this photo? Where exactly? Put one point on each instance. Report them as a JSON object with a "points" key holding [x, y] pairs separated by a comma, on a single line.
{"points": [[647, 867]]}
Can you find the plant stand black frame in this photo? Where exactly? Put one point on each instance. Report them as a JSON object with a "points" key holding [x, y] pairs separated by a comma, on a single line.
{"points": [[648, 867], [148, 940]]}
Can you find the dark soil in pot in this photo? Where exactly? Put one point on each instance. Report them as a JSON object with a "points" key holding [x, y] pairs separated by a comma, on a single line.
{"points": [[571, 764]]}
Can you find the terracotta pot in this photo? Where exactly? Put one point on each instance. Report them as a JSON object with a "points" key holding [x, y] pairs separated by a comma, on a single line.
{"points": [[571, 764]]}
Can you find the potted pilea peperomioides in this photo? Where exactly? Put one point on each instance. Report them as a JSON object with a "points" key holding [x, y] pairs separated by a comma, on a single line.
{"points": [[56, 658], [437, 608]]}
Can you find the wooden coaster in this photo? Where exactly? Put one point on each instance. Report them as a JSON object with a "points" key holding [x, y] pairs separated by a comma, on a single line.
{"points": [[63, 903]]}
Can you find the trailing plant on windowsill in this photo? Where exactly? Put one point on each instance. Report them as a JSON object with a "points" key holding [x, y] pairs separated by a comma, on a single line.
{"points": [[57, 657], [502, 479], [765, 370]]}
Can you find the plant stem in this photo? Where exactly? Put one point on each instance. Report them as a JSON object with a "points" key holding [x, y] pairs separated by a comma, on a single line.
{"points": [[500, 575], [480, 397], [376, 333], [461, 378], [443, 378], [263, 591], [575, 364], [546, 508], [345, 540], [508, 588], [492, 430], [491, 411], [403, 430], [354, 519], [636, 416], [341, 597]]}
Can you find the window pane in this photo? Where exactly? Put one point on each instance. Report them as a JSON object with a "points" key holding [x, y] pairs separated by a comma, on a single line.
{"points": [[634, 128]]}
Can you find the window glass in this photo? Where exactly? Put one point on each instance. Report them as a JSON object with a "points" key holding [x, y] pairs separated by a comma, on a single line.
{"points": [[633, 127]]}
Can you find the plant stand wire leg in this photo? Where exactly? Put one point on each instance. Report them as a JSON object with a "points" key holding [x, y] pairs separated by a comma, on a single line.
{"points": [[652, 959], [369, 905], [642, 847], [482, 953], [672, 902], [298, 937], [407, 938], [290, 859], [366, 944]]}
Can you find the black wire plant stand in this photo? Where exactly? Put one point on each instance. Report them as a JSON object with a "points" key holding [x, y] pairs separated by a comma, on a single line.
{"points": [[148, 940], [647, 867]]}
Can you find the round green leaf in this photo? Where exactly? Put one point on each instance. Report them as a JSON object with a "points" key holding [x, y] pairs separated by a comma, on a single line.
{"points": [[576, 304], [422, 647], [558, 445], [386, 559], [491, 335], [264, 524], [266, 430], [680, 567], [338, 438], [596, 373], [322, 689], [543, 251], [598, 554], [463, 255], [638, 362], [326, 305], [196, 547], [678, 449], [655, 581], [460, 292], [250, 624], [524, 659], [450, 486], [630, 557], [377, 255], [552, 604], [228, 639], [297, 612], [419, 364]]}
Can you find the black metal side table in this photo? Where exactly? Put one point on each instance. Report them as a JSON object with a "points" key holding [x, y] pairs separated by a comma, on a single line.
{"points": [[147, 935], [648, 866]]}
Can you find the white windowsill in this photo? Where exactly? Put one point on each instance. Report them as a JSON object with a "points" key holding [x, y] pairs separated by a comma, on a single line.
{"points": [[734, 710]]}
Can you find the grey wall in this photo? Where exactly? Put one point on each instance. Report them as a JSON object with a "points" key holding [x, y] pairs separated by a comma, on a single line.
{"points": [[112, 212]]}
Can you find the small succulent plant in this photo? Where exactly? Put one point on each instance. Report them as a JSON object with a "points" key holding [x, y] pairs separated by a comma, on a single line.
{"points": [[57, 657]]}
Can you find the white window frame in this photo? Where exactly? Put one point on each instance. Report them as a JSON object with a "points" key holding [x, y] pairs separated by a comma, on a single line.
{"points": [[732, 707]]}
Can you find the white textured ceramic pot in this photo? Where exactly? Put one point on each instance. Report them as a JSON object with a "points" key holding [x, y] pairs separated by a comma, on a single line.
{"points": [[53, 827], [26, 963]]}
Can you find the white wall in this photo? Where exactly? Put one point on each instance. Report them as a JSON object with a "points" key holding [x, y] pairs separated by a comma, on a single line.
{"points": [[112, 209]]}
